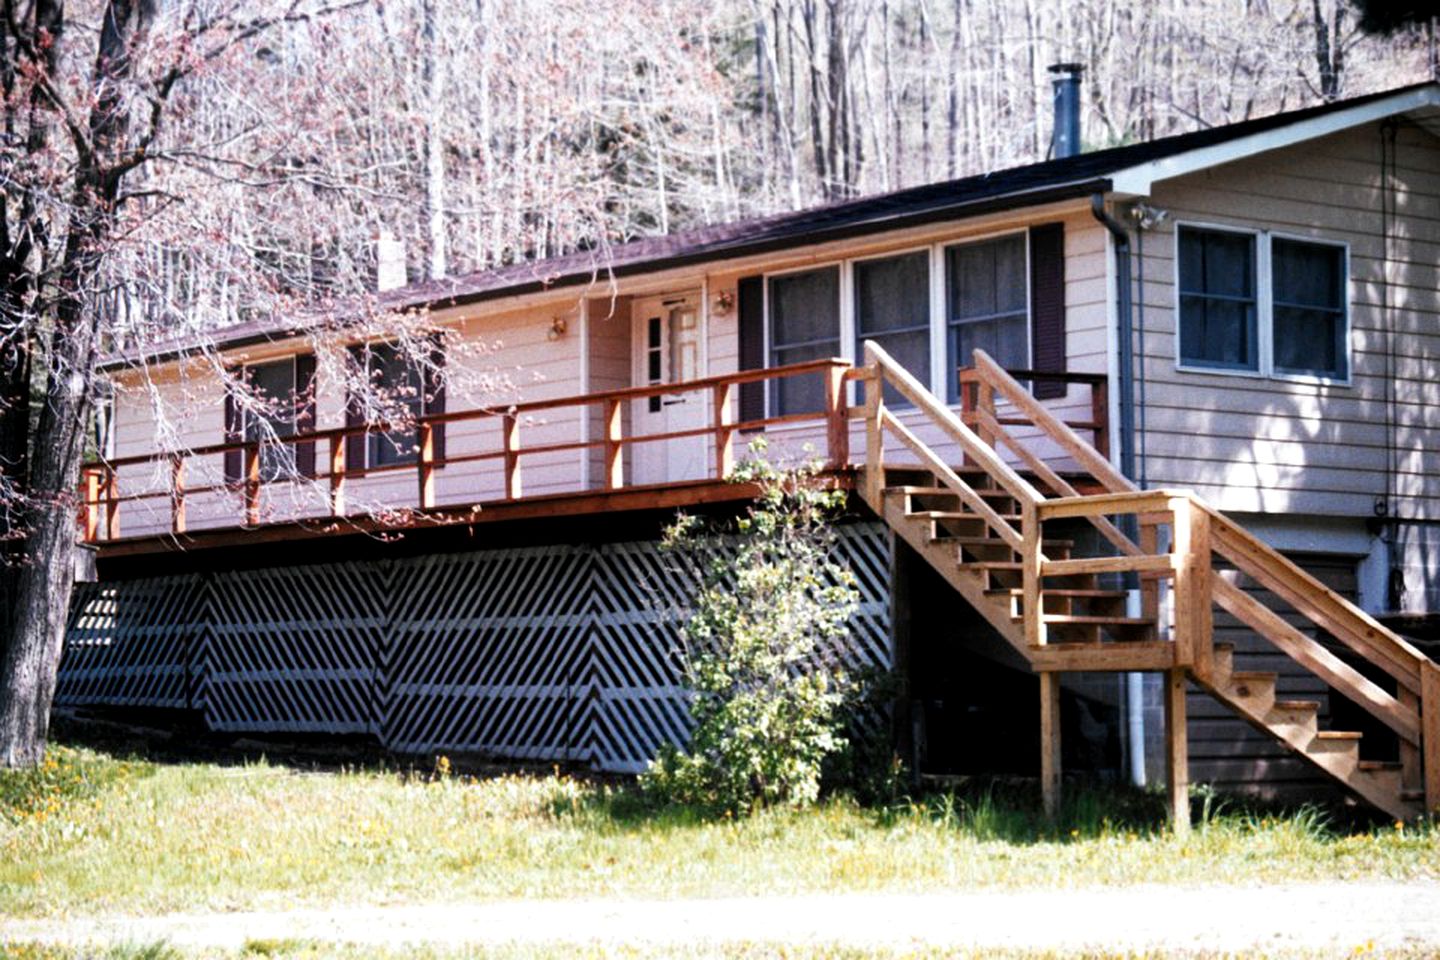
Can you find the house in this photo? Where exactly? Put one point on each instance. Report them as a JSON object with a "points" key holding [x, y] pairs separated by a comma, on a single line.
{"points": [[1188, 473]]}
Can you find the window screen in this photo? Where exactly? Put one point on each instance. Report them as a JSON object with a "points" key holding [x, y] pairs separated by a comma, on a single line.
{"points": [[804, 325], [398, 382], [892, 307], [1308, 291], [273, 388], [1217, 300], [987, 304]]}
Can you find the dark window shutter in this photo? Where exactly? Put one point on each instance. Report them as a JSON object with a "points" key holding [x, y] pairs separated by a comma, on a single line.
{"points": [[234, 432], [354, 411], [751, 304], [434, 389], [1047, 304], [305, 413]]}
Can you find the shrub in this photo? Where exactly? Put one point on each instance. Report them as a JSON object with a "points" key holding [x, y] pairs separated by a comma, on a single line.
{"points": [[762, 647]]}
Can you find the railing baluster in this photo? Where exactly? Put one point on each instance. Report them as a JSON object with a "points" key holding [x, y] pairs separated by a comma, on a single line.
{"points": [[177, 493], [112, 504], [425, 466], [875, 438], [338, 443], [510, 427], [837, 423], [252, 483], [614, 433], [724, 395], [1182, 563]]}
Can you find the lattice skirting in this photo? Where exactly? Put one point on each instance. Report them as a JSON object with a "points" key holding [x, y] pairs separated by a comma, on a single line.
{"points": [[558, 653]]}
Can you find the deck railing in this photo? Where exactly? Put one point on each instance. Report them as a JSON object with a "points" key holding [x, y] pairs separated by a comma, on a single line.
{"points": [[103, 501]]}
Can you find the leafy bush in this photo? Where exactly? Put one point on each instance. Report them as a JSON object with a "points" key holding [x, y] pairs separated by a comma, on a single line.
{"points": [[762, 647]]}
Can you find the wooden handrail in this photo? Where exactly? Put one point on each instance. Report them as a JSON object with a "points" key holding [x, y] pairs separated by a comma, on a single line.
{"points": [[101, 486]]}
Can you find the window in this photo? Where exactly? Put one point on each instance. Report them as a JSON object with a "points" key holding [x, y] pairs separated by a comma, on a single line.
{"points": [[804, 325], [1258, 303], [397, 383], [987, 304], [276, 409], [1308, 309], [1218, 308], [892, 307]]}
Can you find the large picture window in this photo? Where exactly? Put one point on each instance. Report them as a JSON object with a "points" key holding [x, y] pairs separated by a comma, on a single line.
{"points": [[987, 304], [892, 307], [804, 325], [1218, 308]]}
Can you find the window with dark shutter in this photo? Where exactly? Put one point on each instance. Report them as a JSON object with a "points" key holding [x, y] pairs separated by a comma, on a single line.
{"points": [[272, 416], [234, 459], [354, 409], [305, 413]]}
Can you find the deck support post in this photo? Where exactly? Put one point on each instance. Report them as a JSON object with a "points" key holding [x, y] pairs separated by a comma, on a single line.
{"points": [[510, 427], [724, 430], [177, 493], [425, 466], [337, 474], [837, 423], [614, 434], [1177, 752], [1430, 732], [1050, 743], [1032, 604]]}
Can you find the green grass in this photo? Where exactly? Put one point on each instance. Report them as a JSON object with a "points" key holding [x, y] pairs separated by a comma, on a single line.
{"points": [[95, 834]]}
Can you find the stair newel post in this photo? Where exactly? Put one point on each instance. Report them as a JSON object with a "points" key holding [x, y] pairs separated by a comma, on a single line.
{"points": [[837, 424], [1030, 574], [985, 411], [1430, 732], [1201, 612], [874, 430], [1182, 631], [1177, 751]]}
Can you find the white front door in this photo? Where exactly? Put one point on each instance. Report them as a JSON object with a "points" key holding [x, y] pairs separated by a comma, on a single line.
{"points": [[669, 339]]}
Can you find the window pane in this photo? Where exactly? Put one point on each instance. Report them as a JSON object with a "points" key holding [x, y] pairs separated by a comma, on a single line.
{"points": [[1217, 299], [1308, 274], [892, 307], [273, 386], [804, 392], [397, 383], [1310, 342], [804, 325], [986, 278], [1003, 338], [804, 308]]}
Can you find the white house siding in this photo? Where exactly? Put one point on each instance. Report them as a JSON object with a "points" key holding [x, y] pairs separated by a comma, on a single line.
{"points": [[1273, 446]]}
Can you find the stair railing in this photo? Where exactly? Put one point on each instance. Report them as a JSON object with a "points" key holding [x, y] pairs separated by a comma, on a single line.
{"points": [[1200, 531]]}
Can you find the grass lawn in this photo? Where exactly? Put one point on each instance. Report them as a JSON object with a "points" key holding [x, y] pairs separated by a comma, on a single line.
{"points": [[91, 833]]}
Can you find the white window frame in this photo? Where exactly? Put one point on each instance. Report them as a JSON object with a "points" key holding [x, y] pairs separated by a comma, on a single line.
{"points": [[939, 375], [1264, 306]]}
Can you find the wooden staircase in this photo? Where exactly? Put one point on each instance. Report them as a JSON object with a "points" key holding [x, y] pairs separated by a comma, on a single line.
{"points": [[982, 526]]}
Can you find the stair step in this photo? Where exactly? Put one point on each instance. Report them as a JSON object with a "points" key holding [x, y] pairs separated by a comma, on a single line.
{"points": [[1099, 620], [1381, 766], [912, 491], [992, 565], [952, 515], [1298, 705], [997, 542], [1338, 735]]}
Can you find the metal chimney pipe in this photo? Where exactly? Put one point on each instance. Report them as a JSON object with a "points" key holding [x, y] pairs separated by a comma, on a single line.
{"points": [[1065, 141]]}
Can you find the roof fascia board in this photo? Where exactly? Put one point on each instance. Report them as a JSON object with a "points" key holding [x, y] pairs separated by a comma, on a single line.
{"points": [[1138, 180]]}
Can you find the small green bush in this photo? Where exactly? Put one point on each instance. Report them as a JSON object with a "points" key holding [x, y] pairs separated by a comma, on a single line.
{"points": [[762, 648]]}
